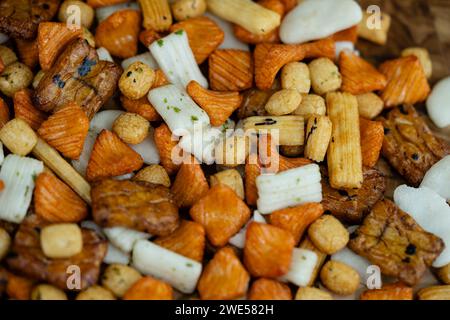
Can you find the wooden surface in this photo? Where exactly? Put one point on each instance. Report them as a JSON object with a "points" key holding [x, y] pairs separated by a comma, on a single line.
{"points": [[415, 23]]}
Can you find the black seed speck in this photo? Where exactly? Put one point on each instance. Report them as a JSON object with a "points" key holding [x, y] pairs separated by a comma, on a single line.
{"points": [[387, 130], [415, 157], [410, 249]]}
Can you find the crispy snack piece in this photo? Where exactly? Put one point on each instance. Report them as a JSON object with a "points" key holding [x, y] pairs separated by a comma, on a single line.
{"points": [[165, 146], [269, 289], [135, 205], [270, 58], [103, 3], [141, 107], [24, 109], [18, 288], [28, 52], [394, 291], [204, 36], [391, 239], [406, 82], [30, 261], [77, 76], [352, 205], [272, 37], [218, 105], [224, 277], [4, 113], [409, 145], [149, 288], [188, 240], [190, 184], [221, 212], [268, 250], [21, 18], [296, 219], [111, 157], [254, 103], [147, 37], [119, 33], [52, 39], [358, 75], [230, 70], [66, 130], [372, 135], [350, 34], [55, 202]]}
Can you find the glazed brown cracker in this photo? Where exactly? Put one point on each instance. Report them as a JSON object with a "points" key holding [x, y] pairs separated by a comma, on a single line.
{"points": [[391, 239], [31, 261], [409, 145], [352, 205], [136, 205], [21, 18], [79, 76]]}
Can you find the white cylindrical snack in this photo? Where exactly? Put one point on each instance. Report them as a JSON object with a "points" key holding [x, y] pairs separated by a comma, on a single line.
{"points": [[180, 272], [125, 238], [18, 174], [145, 58], [177, 109], [238, 240], [437, 178], [176, 60], [230, 41], [115, 255], [3, 38], [302, 267], [104, 55], [201, 142], [104, 12], [430, 211], [438, 103], [288, 188], [317, 19], [147, 149]]}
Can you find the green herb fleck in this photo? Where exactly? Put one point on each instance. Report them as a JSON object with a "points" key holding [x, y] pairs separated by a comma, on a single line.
{"points": [[176, 109], [165, 100], [179, 32], [194, 118], [160, 42], [190, 265]]}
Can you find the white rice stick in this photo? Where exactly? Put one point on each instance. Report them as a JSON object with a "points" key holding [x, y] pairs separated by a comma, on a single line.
{"points": [[344, 45], [202, 142], [181, 272], [302, 267], [288, 188], [115, 255], [145, 58], [238, 240], [104, 12], [3, 38], [230, 41], [124, 238], [18, 174], [176, 60], [430, 211], [147, 148], [437, 178], [104, 55], [2, 154], [177, 109]]}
